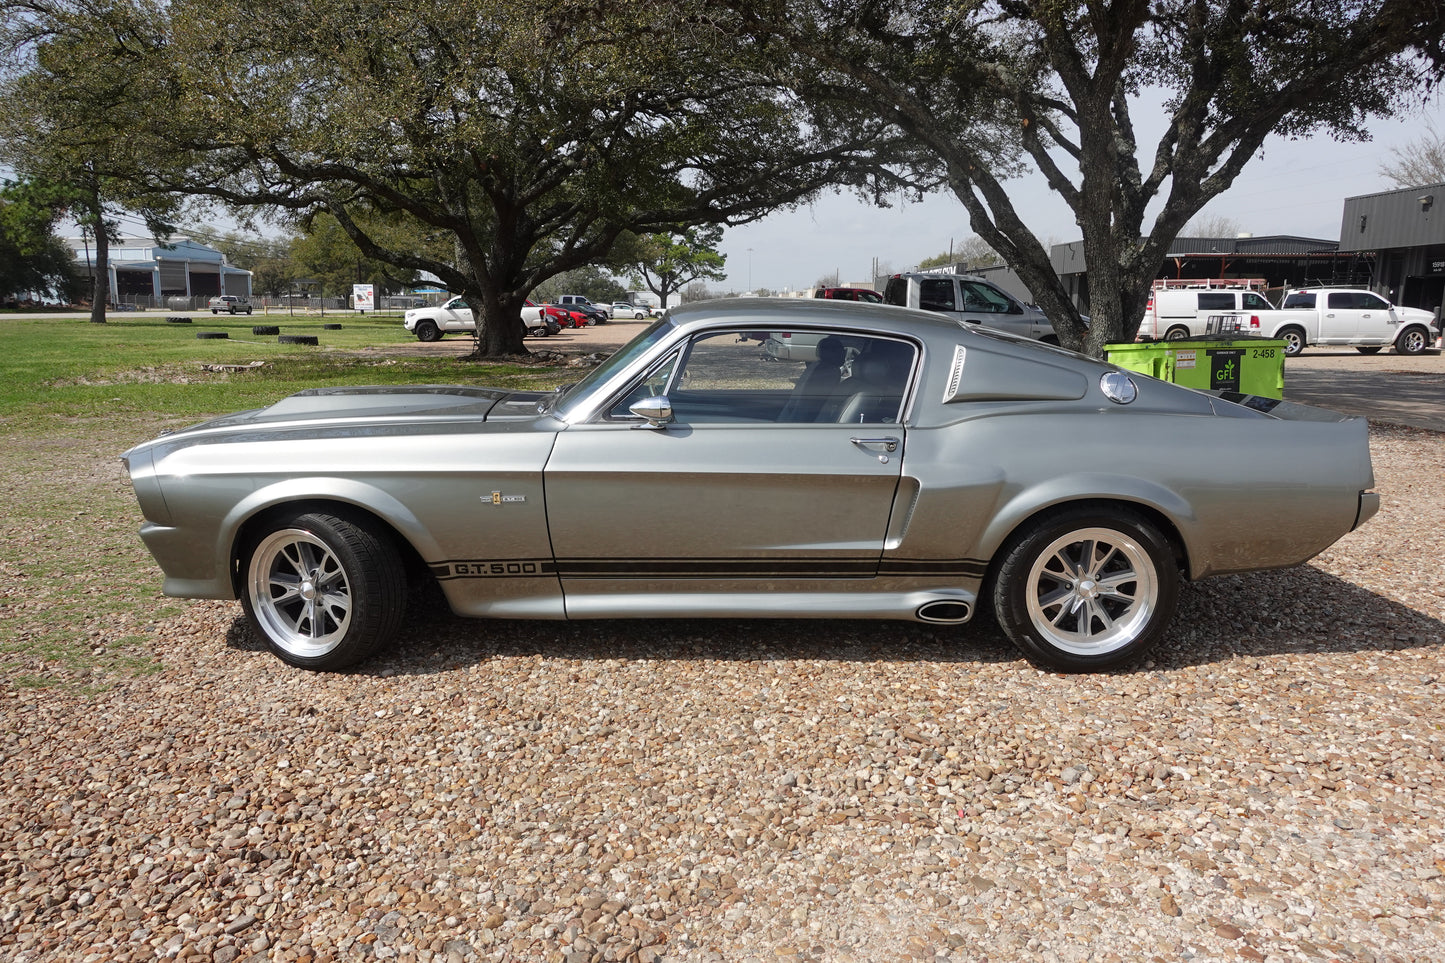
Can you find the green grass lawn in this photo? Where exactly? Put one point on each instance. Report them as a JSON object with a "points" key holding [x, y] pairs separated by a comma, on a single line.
{"points": [[79, 596], [135, 366]]}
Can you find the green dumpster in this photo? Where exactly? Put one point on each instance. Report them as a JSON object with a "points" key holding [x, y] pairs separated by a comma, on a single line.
{"points": [[1250, 366]]}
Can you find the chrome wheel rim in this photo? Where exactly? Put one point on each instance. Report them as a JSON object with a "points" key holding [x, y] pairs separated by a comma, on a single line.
{"points": [[300, 592], [1414, 342], [1293, 343], [1092, 591]]}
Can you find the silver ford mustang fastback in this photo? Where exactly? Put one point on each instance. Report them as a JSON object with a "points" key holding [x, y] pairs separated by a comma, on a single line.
{"points": [[912, 468]]}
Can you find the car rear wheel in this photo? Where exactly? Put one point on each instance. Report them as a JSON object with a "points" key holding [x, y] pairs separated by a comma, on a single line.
{"points": [[1413, 341], [1176, 334], [428, 331], [1086, 589], [324, 592], [1294, 341]]}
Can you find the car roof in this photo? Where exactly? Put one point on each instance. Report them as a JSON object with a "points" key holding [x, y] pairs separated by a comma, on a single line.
{"points": [[785, 312]]}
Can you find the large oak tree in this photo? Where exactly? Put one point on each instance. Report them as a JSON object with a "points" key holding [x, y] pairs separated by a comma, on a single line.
{"points": [[993, 88], [531, 134]]}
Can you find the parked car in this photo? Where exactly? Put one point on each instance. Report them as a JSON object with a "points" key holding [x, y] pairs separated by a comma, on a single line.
{"points": [[938, 467], [1346, 316], [229, 303], [849, 294], [431, 324], [567, 317], [964, 297], [626, 309], [1182, 308], [596, 313]]}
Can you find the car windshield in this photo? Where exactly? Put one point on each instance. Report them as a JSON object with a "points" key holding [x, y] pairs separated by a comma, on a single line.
{"points": [[570, 397]]}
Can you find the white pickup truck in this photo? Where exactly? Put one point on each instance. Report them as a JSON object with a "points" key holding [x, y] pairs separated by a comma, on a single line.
{"points": [[1339, 316], [429, 324]]}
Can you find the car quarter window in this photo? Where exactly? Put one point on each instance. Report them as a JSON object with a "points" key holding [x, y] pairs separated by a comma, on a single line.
{"points": [[823, 377]]}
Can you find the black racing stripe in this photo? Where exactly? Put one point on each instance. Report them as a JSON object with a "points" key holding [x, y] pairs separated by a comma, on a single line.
{"points": [[639, 568], [717, 567], [930, 567]]}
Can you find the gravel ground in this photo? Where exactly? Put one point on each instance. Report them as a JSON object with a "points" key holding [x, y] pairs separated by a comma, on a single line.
{"points": [[1270, 787]]}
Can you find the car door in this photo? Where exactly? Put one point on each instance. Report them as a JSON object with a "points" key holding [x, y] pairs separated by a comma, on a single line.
{"points": [[1375, 320], [725, 497], [986, 305], [1340, 318], [455, 316]]}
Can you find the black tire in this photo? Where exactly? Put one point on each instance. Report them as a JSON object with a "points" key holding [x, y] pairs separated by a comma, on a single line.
{"points": [[215, 311], [1176, 333], [248, 312], [1110, 563], [176, 319], [331, 327], [323, 592], [428, 331], [265, 329], [211, 335], [1368, 349], [1294, 341], [298, 339], [1412, 341]]}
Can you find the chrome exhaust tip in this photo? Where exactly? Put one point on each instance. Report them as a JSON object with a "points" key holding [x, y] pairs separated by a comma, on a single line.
{"points": [[944, 612]]}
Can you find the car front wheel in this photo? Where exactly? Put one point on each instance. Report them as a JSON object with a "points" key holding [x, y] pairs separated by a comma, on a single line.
{"points": [[324, 592], [1412, 341], [1086, 589], [428, 331]]}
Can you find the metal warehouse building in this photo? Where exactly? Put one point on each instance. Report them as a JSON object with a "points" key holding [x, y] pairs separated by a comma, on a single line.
{"points": [[144, 271], [1406, 231]]}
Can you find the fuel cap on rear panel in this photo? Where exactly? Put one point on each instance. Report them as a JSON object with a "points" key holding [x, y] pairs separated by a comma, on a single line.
{"points": [[1118, 387]]}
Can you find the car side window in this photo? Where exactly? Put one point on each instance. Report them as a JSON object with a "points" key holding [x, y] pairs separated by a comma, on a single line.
{"points": [[1343, 300], [1370, 302], [654, 384], [936, 294], [1299, 299], [1216, 301], [823, 377], [1253, 302], [982, 298]]}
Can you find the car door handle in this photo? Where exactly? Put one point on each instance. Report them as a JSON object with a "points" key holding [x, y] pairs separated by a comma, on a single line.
{"points": [[888, 442]]}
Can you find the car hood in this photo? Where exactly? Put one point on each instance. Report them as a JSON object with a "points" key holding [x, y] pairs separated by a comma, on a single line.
{"points": [[393, 406]]}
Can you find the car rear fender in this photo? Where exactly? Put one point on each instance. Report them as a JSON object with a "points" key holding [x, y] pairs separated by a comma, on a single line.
{"points": [[1169, 512], [345, 496]]}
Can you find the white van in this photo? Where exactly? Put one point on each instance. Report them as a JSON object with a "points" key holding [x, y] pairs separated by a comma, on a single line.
{"points": [[1178, 309]]}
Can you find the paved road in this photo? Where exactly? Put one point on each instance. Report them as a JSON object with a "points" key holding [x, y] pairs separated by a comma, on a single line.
{"points": [[1384, 387]]}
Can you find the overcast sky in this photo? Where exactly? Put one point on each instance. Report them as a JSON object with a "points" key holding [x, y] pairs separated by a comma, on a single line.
{"points": [[1291, 187]]}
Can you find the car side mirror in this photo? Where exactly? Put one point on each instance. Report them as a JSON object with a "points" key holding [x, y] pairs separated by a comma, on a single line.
{"points": [[657, 410]]}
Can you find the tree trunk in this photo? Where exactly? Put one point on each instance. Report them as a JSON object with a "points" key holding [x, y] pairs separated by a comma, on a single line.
{"points": [[100, 290], [499, 323]]}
